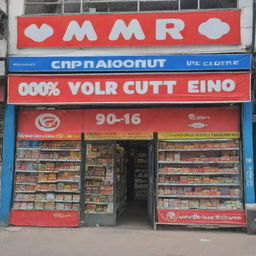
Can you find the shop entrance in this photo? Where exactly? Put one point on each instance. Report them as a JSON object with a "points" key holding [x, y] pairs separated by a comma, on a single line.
{"points": [[117, 183]]}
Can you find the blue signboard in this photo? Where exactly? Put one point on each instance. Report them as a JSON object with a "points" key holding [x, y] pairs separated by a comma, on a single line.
{"points": [[131, 63]]}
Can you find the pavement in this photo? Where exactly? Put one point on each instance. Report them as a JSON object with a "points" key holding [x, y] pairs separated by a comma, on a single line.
{"points": [[125, 241]]}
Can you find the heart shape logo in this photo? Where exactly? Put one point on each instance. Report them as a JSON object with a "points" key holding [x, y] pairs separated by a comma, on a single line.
{"points": [[39, 34]]}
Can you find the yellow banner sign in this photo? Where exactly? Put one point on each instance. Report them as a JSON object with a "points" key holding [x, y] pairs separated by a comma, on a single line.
{"points": [[198, 135], [119, 136]]}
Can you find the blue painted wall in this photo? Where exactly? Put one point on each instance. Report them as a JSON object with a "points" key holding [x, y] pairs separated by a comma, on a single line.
{"points": [[248, 152], [8, 163]]}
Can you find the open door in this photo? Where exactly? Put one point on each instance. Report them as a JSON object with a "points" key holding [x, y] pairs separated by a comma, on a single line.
{"points": [[151, 182]]}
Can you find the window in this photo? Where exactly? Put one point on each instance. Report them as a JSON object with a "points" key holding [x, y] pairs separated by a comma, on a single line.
{"points": [[112, 6]]}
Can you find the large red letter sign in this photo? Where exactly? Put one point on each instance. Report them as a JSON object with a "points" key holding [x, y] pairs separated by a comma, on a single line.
{"points": [[148, 29]]}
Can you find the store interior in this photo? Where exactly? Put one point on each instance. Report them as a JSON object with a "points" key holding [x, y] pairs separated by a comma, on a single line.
{"points": [[136, 165]]}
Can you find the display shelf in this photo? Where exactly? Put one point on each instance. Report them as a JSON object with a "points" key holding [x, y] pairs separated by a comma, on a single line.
{"points": [[140, 174], [100, 213], [196, 150], [64, 201], [26, 183], [59, 149], [69, 181], [48, 192], [58, 160], [25, 192], [198, 162], [92, 194], [94, 177], [27, 171], [197, 196], [69, 170], [198, 174], [41, 210], [214, 184], [27, 160], [47, 181], [103, 203], [55, 172], [199, 184], [36, 149], [99, 183]]}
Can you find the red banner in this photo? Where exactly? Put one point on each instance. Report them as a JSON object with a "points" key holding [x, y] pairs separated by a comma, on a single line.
{"points": [[130, 88], [50, 124], [218, 217], [69, 124], [44, 218], [147, 29]]}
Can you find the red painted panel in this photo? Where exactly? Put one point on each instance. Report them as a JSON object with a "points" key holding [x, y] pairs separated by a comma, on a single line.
{"points": [[44, 218], [193, 120], [135, 88], [143, 29], [218, 217], [69, 124], [50, 124]]}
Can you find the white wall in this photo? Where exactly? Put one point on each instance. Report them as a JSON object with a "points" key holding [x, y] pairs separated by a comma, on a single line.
{"points": [[3, 5], [16, 8]]}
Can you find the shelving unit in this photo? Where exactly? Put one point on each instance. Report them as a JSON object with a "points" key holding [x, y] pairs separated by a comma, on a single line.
{"points": [[120, 171], [199, 175], [47, 175], [99, 184], [140, 175]]}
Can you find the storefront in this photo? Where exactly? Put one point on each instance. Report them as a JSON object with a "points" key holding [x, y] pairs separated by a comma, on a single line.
{"points": [[70, 163], [97, 132]]}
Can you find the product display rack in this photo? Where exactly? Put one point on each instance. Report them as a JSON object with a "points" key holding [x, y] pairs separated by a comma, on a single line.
{"points": [[47, 175], [120, 179], [140, 175], [197, 175], [99, 193]]}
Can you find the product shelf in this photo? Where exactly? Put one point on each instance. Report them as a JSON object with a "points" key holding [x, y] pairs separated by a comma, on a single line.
{"points": [[69, 170], [42, 162], [44, 201], [99, 203], [47, 181], [52, 210], [36, 149], [68, 181], [26, 160], [26, 171], [196, 150], [216, 164], [26, 183], [195, 196], [92, 194], [25, 192], [60, 149], [197, 173], [58, 160], [200, 184], [198, 162]]}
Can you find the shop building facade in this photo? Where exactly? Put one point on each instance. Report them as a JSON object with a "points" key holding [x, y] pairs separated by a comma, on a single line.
{"points": [[3, 82], [88, 99]]}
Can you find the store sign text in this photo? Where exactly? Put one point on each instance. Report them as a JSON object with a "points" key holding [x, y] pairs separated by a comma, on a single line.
{"points": [[195, 28], [224, 217], [112, 119], [68, 123], [217, 87], [131, 63]]}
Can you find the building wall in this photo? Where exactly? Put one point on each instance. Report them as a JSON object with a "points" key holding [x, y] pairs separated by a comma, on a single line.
{"points": [[3, 5], [16, 9]]}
